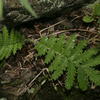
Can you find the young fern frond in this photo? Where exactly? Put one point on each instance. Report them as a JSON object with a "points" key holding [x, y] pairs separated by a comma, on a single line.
{"points": [[10, 43], [66, 55]]}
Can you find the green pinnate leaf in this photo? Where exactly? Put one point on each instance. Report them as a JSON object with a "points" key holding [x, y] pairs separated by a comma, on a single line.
{"points": [[65, 55], [10, 43]]}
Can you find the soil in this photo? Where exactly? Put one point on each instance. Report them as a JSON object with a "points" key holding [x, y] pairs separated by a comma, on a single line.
{"points": [[19, 70]]}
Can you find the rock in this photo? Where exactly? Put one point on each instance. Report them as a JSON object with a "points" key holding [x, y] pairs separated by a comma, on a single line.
{"points": [[16, 13]]}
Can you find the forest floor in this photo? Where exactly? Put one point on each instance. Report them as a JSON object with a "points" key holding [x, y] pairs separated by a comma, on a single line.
{"points": [[23, 70]]}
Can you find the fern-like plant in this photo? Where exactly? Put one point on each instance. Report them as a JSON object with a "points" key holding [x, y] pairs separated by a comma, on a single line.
{"points": [[66, 55], [10, 42]]}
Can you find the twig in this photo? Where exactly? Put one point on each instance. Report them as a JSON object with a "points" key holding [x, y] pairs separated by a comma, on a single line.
{"points": [[50, 27], [30, 84], [59, 32], [73, 30], [76, 18], [26, 87]]}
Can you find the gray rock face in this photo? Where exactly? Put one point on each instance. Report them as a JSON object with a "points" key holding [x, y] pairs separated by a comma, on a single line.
{"points": [[16, 13]]}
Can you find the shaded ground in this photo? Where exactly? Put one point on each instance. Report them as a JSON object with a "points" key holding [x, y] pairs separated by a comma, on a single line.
{"points": [[20, 70]]}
